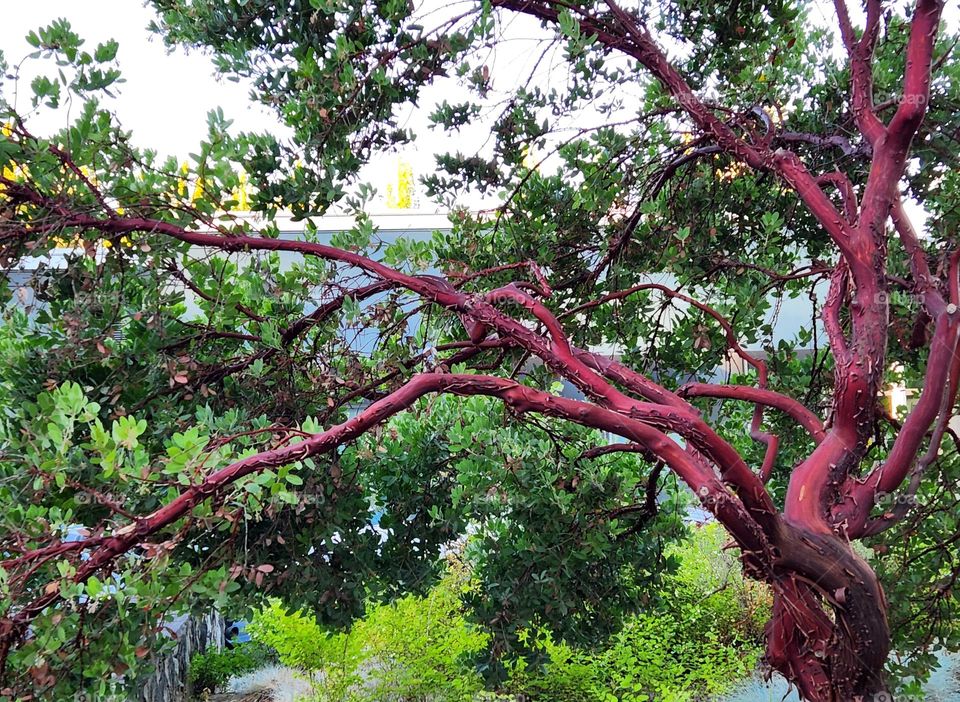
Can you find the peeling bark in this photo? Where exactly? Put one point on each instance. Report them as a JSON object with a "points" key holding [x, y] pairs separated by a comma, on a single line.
{"points": [[829, 633]]}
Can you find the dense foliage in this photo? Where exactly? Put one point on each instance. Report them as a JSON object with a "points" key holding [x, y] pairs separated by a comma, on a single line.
{"points": [[696, 641], [415, 648], [196, 403], [392, 503]]}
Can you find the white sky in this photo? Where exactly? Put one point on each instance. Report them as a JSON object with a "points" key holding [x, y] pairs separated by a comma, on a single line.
{"points": [[166, 96]]}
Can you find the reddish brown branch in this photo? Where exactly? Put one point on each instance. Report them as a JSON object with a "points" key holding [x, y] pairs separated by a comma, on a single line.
{"points": [[729, 333], [851, 208], [917, 74], [861, 65], [792, 408], [936, 399], [770, 441], [519, 397], [923, 280]]}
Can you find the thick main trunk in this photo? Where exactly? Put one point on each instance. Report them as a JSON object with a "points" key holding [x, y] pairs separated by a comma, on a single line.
{"points": [[829, 634]]}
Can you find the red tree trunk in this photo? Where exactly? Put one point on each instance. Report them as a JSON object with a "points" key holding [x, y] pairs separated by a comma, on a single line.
{"points": [[828, 633]]}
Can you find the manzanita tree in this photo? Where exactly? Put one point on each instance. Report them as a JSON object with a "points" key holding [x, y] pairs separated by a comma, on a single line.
{"points": [[736, 147]]}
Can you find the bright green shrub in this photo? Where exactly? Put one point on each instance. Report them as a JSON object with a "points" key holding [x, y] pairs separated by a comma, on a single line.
{"points": [[211, 670], [303, 644], [416, 648], [568, 675], [651, 658], [705, 634], [420, 647], [710, 585]]}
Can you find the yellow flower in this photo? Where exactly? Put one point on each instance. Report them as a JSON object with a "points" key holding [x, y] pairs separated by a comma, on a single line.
{"points": [[88, 174], [13, 173], [528, 161]]}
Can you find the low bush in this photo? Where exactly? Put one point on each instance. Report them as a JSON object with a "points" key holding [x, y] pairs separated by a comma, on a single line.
{"points": [[210, 671], [417, 648], [704, 634], [701, 636], [330, 660]]}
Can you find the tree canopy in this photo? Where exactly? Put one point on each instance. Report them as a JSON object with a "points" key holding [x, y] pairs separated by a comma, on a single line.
{"points": [[201, 407]]}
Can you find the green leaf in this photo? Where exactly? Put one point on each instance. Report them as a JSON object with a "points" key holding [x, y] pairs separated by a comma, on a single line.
{"points": [[270, 335], [126, 430], [106, 51], [93, 586], [569, 25], [56, 435]]}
